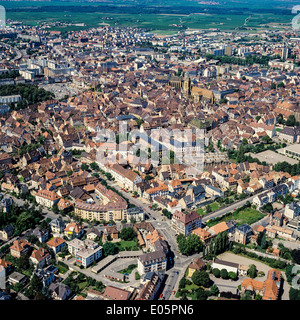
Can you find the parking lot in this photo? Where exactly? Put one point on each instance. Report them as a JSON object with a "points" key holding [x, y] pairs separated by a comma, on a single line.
{"points": [[272, 157], [60, 90]]}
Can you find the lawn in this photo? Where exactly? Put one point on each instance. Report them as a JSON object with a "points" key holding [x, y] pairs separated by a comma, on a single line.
{"points": [[214, 206], [248, 216], [128, 245], [82, 285], [62, 268], [191, 286], [201, 211]]}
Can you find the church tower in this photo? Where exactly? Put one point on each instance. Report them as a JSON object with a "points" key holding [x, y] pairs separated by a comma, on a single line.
{"points": [[187, 87]]}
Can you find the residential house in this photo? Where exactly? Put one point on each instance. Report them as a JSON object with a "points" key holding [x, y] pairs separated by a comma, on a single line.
{"points": [[227, 265], [73, 229], [46, 198], [40, 257], [152, 261], [151, 284], [110, 231], [41, 234], [6, 203], [115, 293], [128, 178], [16, 278], [197, 264], [19, 247], [212, 191], [242, 234], [7, 232], [46, 276], [60, 291], [184, 223], [93, 233], [203, 234], [292, 210], [64, 205], [57, 225], [56, 244], [6, 265], [85, 252]]}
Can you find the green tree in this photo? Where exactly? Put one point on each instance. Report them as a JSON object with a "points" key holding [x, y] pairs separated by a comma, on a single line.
{"points": [[181, 284], [246, 296], [128, 234], [252, 271], [296, 256], [194, 244], [214, 290], [208, 209], [244, 141], [264, 243], [200, 294], [84, 167], [259, 238], [109, 248], [267, 139], [294, 294], [280, 119], [224, 274], [216, 272], [201, 278], [36, 283], [94, 166], [232, 275]]}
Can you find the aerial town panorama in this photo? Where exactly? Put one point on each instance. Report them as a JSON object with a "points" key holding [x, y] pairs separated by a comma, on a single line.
{"points": [[149, 155]]}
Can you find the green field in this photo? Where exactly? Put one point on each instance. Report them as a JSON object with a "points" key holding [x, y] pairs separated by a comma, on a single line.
{"points": [[248, 216], [214, 206], [128, 245], [165, 17]]}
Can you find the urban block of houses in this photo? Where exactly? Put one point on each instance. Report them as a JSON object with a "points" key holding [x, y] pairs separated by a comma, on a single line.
{"points": [[268, 289]]}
